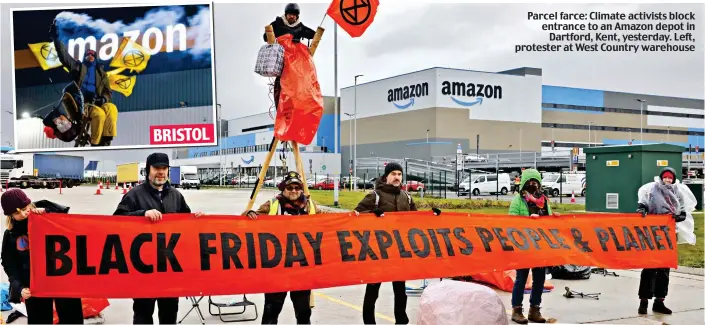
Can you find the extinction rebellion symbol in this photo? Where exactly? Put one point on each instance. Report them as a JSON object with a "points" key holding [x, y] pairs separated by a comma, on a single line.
{"points": [[133, 58], [355, 12], [48, 53], [124, 83]]}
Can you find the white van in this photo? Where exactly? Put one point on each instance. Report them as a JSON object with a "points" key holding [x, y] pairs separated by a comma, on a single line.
{"points": [[487, 184], [568, 183]]}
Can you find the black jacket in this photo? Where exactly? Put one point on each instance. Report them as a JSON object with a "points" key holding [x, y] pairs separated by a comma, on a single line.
{"points": [[145, 197], [78, 71], [299, 31], [15, 251], [15, 259]]}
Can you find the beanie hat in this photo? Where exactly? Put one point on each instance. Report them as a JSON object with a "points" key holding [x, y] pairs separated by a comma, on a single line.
{"points": [[392, 167], [14, 200]]}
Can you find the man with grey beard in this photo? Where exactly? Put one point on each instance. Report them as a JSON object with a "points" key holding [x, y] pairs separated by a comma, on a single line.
{"points": [[151, 200]]}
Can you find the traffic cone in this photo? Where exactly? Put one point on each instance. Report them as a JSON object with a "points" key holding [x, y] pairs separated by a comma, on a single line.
{"points": [[572, 197], [97, 190], [100, 184], [124, 190]]}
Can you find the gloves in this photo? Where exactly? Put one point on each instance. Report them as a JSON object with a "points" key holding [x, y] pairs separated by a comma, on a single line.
{"points": [[378, 212], [679, 217], [99, 101], [436, 211], [642, 209]]}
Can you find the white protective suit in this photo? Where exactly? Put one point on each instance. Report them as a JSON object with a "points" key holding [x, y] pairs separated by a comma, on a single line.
{"points": [[685, 230]]}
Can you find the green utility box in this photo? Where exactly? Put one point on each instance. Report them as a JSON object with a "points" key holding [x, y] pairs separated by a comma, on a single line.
{"points": [[697, 189], [614, 174]]}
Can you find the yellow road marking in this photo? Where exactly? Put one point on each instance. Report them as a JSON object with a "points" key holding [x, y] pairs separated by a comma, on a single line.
{"points": [[349, 305]]}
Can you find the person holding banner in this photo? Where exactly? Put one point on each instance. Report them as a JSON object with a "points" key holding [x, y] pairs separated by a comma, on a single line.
{"points": [[665, 195], [387, 197], [151, 200], [291, 201], [533, 203], [16, 264]]}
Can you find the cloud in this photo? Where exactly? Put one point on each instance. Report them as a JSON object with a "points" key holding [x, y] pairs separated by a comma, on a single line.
{"points": [[72, 25], [200, 32]]}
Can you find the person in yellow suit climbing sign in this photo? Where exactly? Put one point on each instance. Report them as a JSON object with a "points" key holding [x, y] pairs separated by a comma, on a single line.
{"points": [[93, 86]]}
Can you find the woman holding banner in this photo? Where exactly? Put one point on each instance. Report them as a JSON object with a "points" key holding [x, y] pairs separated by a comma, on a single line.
{"points": [[531, 202], [665, 195], [15, 261]]}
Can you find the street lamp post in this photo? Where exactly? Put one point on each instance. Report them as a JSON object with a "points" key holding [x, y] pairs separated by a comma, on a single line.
{"points": [[589, 136], [355, 146], [641, 119], [350, 116], [220, 145]]}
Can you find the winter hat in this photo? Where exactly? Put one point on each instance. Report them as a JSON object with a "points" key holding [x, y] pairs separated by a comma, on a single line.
{"points": [[290, 178], [14, 200], [668, 171], [392, 167], [157, 159]]}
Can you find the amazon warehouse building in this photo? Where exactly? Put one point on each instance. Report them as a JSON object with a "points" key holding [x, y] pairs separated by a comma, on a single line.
{"points": [[508, 118], [422, 118]]}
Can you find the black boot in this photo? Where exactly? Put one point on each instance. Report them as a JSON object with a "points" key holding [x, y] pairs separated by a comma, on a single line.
{"points": [[643, 306], [105, 141], [659, 307]]}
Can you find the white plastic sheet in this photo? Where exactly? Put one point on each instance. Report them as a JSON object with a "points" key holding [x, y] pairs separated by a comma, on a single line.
{"points": [[454, 302], [685, 230]]}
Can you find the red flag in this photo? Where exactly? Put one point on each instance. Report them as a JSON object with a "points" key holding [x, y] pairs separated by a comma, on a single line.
{"points": [[354, 16]]}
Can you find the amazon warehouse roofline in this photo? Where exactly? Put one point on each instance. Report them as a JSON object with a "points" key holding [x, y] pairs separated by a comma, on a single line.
{"points": [[522, 71]]}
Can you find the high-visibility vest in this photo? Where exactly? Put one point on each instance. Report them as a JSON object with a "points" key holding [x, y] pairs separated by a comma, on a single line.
{"points": [[275, 207]]}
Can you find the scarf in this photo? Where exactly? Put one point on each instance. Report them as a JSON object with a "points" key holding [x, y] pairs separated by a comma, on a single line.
{"points": [[286, 22], [298, 205], [540, 201], [663, 199]]}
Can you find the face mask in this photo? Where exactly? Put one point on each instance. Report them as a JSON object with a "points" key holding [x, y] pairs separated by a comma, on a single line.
{"points": [[531, 188]]}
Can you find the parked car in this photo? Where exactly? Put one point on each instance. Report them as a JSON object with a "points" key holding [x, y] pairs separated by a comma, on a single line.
{"points": [[367, 184], [412, 186], [568, 183], [487, 184], [326, 184]]}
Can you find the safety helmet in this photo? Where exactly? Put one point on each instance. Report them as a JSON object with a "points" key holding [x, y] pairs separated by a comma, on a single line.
{"points": [[292, 8]]}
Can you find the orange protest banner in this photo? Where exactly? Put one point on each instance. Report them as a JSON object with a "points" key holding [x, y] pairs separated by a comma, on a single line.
{"points": [[354, 16], [128, 257]]}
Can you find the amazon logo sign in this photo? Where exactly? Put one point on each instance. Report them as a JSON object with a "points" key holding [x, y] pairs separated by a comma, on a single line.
{"points": [[248, 161], [403, 97], [468, 93]]}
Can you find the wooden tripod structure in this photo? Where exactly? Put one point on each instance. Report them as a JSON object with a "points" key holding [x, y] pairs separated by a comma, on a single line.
{"points": [[275, 142]]}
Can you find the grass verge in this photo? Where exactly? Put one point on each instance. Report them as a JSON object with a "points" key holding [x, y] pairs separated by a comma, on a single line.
{"points": [[349, 200], [692, 255]]}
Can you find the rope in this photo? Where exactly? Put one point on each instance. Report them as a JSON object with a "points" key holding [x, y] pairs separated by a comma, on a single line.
{"points": [[324, 18]]}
